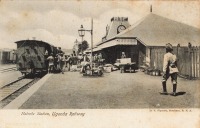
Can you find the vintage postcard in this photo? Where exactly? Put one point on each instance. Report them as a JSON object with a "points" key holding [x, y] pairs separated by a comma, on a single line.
{"points": [[88, 64]]}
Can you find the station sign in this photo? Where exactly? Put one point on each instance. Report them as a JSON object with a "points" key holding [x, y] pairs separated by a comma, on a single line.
{"points": [[127, 41]]}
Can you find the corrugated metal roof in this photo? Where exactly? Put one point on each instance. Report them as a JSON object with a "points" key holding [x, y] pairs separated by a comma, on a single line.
{"points": [[155, 30]]}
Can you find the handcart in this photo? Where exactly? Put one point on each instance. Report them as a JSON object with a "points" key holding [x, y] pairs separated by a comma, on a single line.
{"points": [[126, 65], [88, 71]]}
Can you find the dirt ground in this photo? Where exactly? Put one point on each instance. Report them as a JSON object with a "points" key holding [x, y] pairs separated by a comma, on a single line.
{"points": [[114, 90]]}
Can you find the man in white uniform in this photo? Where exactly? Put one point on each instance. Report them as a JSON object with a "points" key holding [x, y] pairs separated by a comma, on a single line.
{"points": [[51, 63], [169, 69], [62, 62]]}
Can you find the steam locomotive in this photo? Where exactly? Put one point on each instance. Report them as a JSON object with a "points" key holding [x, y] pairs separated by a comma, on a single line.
{"points": [[32, 56]]}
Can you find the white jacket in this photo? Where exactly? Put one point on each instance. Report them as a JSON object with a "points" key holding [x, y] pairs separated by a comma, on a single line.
{"points": [[170, 62]]}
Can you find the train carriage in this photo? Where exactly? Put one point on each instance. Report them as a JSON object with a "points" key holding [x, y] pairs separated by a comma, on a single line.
{"points": [[32, 55], [7, 56], [4, 56], [12, 56]]}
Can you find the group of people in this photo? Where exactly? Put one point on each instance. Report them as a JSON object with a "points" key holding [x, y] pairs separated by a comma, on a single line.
{"points": [[98, 58], [58, 62]]}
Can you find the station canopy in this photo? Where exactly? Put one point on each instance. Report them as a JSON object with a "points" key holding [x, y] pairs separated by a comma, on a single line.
{"points": [[115, 42]]}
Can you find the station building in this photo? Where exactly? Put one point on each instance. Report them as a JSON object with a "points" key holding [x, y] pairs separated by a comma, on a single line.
{"points": [[144, 41]]}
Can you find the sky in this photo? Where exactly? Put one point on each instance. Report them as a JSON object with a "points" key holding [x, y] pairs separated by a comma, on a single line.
{"points": [[57, 21]]}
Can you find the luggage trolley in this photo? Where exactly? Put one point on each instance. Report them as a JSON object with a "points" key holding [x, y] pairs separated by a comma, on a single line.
{"points": [[126, 65]]}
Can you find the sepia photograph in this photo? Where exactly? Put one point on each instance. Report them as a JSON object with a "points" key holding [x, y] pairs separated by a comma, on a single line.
{"points": [[87, 63]]}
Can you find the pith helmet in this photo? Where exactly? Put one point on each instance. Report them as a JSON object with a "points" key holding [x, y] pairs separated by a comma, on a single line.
{"points": [[169, 46]]}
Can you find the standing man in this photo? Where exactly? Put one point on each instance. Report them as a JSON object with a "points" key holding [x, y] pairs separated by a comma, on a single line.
{"points": [[50, 59], [79, 58], [85, 63], [68, 62], [169, 69], [58, 62], [95, 58], [59, 50], [100, 59], [123, 55], [62, 63]]}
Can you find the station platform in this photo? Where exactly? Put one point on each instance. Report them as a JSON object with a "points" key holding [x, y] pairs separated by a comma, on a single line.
{"points": [[72, 90], [4, 66]]}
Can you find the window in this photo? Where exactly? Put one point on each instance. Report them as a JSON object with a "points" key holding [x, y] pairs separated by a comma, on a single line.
{"points": [[36, 52], [24, 58], [39, 58], [27, 51]]}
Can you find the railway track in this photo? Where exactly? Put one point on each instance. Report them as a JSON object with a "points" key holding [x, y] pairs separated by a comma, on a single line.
{"points": [[8, 69], [12, 90]]}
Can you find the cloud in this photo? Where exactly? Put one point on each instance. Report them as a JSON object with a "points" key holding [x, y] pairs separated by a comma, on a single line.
{"points": [[49, 26], [57, 22]]}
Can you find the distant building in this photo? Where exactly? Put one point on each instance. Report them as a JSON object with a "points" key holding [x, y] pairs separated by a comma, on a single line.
{"points": [[75, 47], [7, 56]]}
